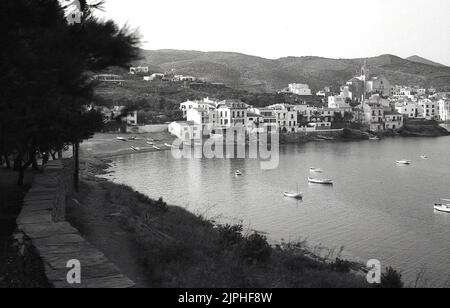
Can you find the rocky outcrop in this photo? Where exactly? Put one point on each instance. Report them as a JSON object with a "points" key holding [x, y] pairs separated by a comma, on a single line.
{"points": [[43, 229]]}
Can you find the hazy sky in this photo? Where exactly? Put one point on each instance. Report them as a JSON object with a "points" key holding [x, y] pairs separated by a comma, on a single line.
{"points": [[278, 28]]}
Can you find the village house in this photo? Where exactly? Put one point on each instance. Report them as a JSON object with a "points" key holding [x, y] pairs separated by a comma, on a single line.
{"points": [[429, 109], [231, 113], [444, 109], [373, 116], [407, 109], [185, 131], [286, 116], [300, 89], [338, 102], [139, 70], [206, 103], [379, 85], [269, 118], [392, 120]]}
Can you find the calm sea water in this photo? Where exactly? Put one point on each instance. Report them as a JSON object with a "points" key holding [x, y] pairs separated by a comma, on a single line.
{"points": [[375, 210]]}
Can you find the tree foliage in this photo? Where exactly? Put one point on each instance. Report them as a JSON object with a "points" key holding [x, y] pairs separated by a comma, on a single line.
{"points": [[45, 82]]}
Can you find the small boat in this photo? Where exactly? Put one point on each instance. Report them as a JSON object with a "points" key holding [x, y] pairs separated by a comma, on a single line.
{"points": [[169, 145], [374, 138], [293, 195], [424, 157], [136, 149], [131, 138], [150, 143], [238, 173], [157, 148], [315, 170], [297, 195], [320, 181], [442, 207], [404, 162], [121, 139]]}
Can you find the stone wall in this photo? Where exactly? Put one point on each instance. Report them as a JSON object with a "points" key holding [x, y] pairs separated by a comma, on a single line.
{"points": [[42, 228]]}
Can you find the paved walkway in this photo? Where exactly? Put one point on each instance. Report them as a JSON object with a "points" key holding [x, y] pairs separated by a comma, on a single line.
{"points": [[59, 242]]}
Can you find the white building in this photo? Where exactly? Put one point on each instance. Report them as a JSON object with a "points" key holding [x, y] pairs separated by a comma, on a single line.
{"points": [[444, 109], [286, 116], [299, 89], [231, 113], [205, 103], [429, 109], [139, 70], [407, 109], [374, 116], [185, 131], [338, 102]]}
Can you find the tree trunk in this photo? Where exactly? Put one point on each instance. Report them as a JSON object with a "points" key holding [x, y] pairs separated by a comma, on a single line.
{"points": [[76, 175], [8, 163]]}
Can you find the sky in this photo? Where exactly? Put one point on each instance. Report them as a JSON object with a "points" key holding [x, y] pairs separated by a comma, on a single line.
{"points": [[279, 28]]}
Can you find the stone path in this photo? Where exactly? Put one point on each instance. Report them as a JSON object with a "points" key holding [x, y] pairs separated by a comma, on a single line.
{"points": [[58, 242]]}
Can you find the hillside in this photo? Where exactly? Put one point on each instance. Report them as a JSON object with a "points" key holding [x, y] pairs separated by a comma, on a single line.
{"points": [[419, 59], [259, 74]]}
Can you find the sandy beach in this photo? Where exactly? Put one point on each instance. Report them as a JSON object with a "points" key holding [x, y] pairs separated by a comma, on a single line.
{"points": [[108, 145]]}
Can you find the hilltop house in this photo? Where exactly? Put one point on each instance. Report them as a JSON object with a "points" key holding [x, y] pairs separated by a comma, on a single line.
{"points": [[300, 89]]}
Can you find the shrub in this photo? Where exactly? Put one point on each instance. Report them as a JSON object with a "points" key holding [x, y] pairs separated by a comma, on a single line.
{"points": [[230, 235], [340, 266], [256, 249], [391, 279]]}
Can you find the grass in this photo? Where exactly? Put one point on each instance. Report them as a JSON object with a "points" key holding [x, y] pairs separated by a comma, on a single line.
{"points": [[180, 249]]}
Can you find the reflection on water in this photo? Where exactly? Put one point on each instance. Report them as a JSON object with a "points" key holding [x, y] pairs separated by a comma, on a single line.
{"points": [[376, 209]]}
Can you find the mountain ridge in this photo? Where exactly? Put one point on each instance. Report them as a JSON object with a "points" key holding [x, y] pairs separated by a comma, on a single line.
{"points": [[266, 75]]}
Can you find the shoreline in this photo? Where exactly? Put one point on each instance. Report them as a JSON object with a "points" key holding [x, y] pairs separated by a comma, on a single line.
{"points": [[332, 265]]}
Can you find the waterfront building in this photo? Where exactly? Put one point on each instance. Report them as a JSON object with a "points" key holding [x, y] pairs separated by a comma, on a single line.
{"points": [[373, 116], [286, 116], [393, 120], [407, 109], [231, 113], [429, 109], [444, 109]]}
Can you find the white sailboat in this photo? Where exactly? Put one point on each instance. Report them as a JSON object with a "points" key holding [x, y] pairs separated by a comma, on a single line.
{"points": [[297, 195]]}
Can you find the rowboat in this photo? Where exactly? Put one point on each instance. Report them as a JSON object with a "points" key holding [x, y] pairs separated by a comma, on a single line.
{"points": [[238, 173], [320, 181], [297, 195], [442, 208], [150, 143], [169, 145], [157, 148], [424, 157], [293, 195], [136, 149], [404, 162], [315, 170], [121, 139], [375, 138]]}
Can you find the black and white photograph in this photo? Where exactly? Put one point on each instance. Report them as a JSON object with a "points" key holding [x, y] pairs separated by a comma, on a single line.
{"points": [[224, 150]]}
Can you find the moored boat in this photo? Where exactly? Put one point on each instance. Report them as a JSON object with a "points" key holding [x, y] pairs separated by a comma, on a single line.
{"points": [[320, 181], [238, 173], [121, 139], [424, 157], [293, 195], [403, 162], [315, 170], [442, 208]]}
